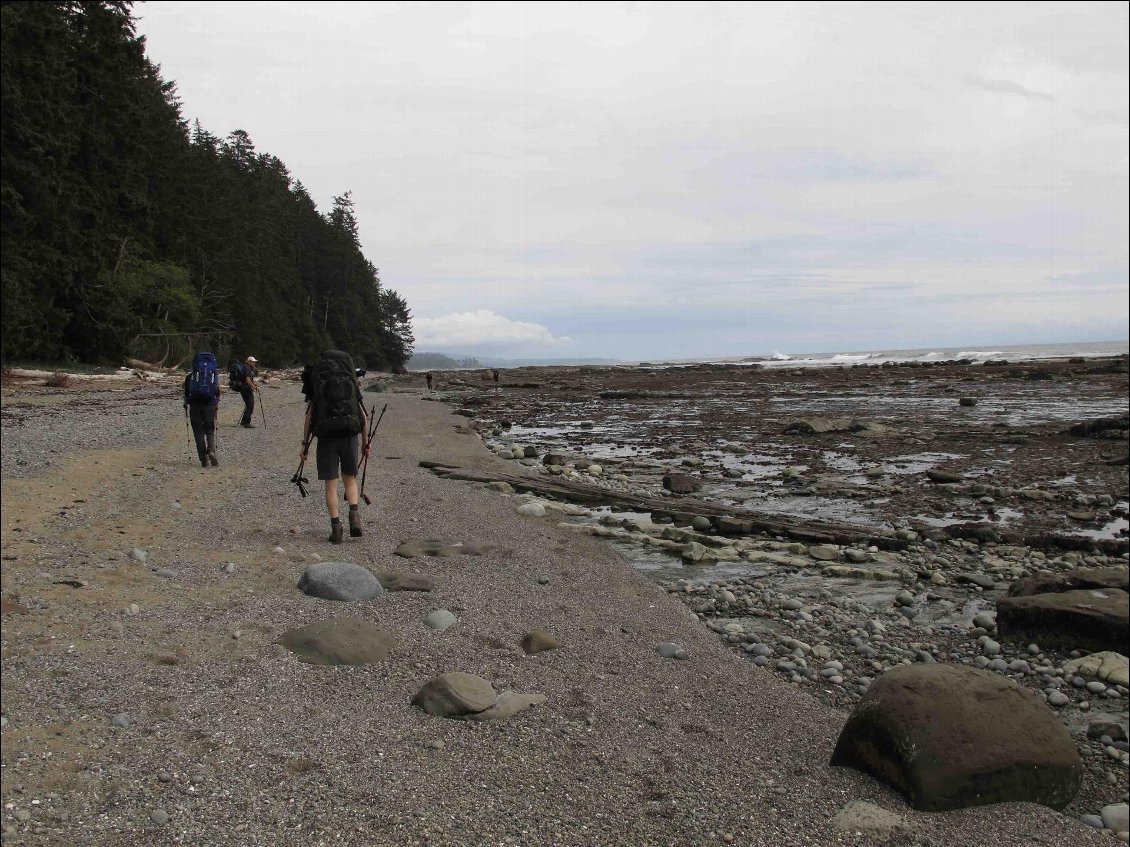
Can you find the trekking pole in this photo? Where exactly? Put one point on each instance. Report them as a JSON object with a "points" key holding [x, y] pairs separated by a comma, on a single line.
{"points": [[187, 440], [298, 479], [262, 408], [365, 472]]}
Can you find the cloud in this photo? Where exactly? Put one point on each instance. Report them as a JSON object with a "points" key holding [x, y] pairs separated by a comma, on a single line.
{"points": [[1007, 86], [482, 328]]}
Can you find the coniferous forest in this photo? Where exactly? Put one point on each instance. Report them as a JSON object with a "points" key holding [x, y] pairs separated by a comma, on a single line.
{"points": [[127, 232]]}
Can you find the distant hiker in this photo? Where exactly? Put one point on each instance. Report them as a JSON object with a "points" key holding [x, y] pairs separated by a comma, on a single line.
{"points": [[241, 378], [429, 379], [201, 401], [494, 373], [336, 415]]}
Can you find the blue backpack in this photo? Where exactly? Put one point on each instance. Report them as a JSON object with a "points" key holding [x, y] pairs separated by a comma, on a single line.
{"points": [[204, 381]]}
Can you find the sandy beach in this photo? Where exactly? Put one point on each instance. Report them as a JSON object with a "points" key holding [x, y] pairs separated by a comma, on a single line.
{"points": [[147, 701]]}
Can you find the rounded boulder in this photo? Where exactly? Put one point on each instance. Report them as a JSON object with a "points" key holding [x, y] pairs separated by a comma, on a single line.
{"points": [[950, 736], [343, 581]]}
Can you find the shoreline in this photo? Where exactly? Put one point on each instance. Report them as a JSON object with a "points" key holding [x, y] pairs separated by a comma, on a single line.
{"points": [[629, 748]]}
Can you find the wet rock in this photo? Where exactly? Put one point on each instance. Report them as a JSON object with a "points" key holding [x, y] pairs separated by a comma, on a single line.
{"points": [[967, 401], [341, 641], [680, 483], [1113, 731], [949, 736], [825, 553], [939, 475], [342, 581], [1083, 578], [1086, 620]]}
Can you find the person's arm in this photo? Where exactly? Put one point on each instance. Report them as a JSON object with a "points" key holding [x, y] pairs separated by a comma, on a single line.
{"points": [[250, 378]]}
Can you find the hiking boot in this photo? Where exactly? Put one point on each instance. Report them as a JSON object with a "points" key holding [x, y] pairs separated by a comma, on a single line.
{"points": [[354, 523], [212, 458], [203, 463], [336, 534]]}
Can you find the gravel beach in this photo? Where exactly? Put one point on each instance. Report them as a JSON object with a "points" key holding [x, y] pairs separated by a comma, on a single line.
{"points": [[146, 699]]}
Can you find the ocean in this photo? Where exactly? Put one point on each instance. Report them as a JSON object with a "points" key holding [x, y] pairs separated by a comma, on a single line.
{"points": [[1008, 353]]}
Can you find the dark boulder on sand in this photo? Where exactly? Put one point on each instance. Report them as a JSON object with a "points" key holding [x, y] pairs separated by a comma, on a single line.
{"points": [[948, 737], [1086, 619]]}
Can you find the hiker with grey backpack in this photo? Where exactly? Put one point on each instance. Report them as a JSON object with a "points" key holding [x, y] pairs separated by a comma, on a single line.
{"points": [[201, 403], [335, 415]]}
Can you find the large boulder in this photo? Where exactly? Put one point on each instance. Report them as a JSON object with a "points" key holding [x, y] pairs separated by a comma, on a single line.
{"points": [[452, 695], [1072, 620], [1071, 581], [950, 736], [340, 581], [341, 641]]}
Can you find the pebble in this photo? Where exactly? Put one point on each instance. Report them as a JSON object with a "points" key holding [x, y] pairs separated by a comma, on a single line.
{"points": [[1058, 699], [531, 510], [229, 567], [280, 551], [990, 647], [166, 573], [159, 817], [121, 719], [139, 555], [438, 745]]}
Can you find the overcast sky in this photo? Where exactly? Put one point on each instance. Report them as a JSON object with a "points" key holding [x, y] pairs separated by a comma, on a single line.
{"points": [[646, 180]]}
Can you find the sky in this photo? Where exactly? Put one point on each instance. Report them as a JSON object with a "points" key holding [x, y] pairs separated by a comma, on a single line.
{"points": [[638, 180]]}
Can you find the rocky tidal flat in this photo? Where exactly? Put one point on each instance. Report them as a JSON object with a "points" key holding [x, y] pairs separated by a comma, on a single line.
{"points": [[984, 498]]}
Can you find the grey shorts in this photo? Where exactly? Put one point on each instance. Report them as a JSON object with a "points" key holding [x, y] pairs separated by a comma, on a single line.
{"points": [[340, 449]]}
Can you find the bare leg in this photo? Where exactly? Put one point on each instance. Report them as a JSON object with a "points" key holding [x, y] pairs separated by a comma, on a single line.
{"points": [[331, 495], [350, 490]]}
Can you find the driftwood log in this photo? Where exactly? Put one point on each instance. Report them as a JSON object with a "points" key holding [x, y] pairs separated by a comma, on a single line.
{"points": [[730, 520]]}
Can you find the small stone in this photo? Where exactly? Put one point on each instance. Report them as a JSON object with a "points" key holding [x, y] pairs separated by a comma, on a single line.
{"points": [[164, 776], [1116, 817], [990, 647], [1058, 699], [531, 510], [229, 567], [139, 555], [985, 621], [279, 551], [159, 816], [437, 744], [133, 609], [440, 620], [1092, 820], [668, 650], [165, 573], [121, 720]]}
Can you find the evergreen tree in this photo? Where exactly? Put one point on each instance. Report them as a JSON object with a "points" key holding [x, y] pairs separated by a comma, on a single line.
{"points": [[124, 232]]}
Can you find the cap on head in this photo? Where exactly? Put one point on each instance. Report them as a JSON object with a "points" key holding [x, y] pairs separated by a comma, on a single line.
{"points": [[252, 359]]}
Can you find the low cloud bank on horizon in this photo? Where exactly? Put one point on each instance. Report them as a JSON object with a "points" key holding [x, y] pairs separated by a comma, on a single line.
{"points": [[480, 331], [719, 179]]}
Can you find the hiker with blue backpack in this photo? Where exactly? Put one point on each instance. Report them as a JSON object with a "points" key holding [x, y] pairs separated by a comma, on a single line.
{"points": [[201, 402], [241, 378]]}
